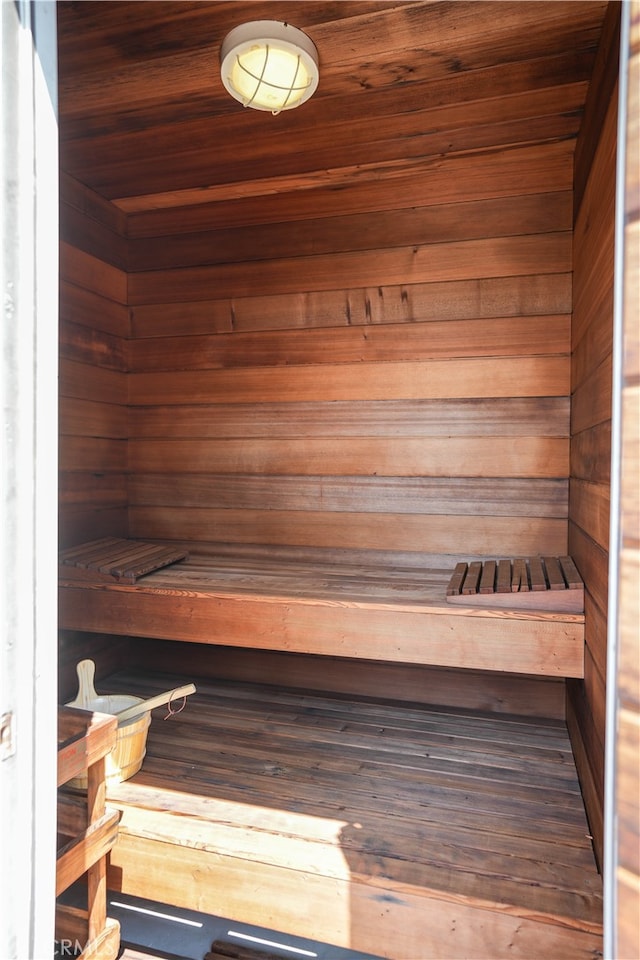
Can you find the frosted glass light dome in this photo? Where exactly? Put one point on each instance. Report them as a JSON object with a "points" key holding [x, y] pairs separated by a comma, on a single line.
{"points": [[269, 65]]}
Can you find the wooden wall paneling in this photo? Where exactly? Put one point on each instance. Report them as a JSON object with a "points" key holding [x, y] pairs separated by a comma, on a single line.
{"points": [[504, 216], [586, 745], [493, 692], [401, 380], [501, 417], [465, 497], [77, 523], [93, 453], [533, 295], [587, 461], [590, 503], [473, 57], [94, 347], [596, 633], [79, 380], [591, 561], [94, 208], [256, 389], [92, 274], [108, 489], [458, 260], [454, 535], [109, 653], [603, 81], [81, 306], [436, 457], [592, 333], [121, 163], [93, 418], [508, 336], [94, 326], [511, 171]]}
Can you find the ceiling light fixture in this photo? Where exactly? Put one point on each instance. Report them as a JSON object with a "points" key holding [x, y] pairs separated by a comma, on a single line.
{"points": [[269, 65]]}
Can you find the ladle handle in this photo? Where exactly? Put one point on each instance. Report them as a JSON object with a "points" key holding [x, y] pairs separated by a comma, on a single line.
{"points": [[86, 671], [157, 701]]}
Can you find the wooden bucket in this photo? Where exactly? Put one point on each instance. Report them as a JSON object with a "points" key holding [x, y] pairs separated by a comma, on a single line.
{"points": [[131, 740]]}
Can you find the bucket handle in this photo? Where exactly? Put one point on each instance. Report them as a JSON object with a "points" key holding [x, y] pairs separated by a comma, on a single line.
{"points": [[157, 701]]}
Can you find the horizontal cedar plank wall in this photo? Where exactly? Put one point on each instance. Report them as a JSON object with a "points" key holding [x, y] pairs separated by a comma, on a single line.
{"points": [[456, 260], [314, 436], [591, 380], [361, 456], [321, 380], [493, 692], [512, 417], [503, 336], [544, 213], [93, 417], [108, 652], [417, 302], [509, 172], [503, 497], [400, 380], [460, 536]]}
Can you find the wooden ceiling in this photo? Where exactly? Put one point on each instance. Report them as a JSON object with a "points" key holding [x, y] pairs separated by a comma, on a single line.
{"points": [[146, 123]]}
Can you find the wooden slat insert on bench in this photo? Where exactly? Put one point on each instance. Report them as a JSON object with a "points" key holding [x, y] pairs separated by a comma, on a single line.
{"points": [[357, 604], [548, 583], [389, 828], [118, 559]]}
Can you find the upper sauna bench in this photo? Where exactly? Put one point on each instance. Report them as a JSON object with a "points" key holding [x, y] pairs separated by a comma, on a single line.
{"points": [[374, 605]]}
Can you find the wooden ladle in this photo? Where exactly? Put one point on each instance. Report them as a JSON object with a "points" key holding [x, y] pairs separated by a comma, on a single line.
{"points": [[161, 698]]}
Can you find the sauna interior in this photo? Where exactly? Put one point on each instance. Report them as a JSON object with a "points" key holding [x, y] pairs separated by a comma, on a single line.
{"points": [[330, 354]]}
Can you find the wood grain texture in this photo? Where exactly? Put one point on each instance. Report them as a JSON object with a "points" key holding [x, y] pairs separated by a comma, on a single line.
{"points": [[591, 409], [458, 260], [374, 186], [391, 298], [93, 416], [418, 495], [401, 380], [358, 456], [489, 692], [432, 533], [512, 216], [495, 337], [329, 602], [288, 797], [535, 295], [481, 417], [85, 270], [90, 309]]}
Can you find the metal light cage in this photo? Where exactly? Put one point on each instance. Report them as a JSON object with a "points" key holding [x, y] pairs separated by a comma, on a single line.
{"points": [[269, 65]]}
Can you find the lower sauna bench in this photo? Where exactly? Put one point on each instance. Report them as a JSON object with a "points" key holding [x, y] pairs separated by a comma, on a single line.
{"points": [[376, 605], [404, 831]]}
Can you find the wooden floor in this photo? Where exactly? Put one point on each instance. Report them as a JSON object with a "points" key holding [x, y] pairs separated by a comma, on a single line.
{"points": [[406, 832]]}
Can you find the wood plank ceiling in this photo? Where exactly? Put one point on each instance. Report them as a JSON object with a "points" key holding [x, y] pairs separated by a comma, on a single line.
{"points": [[146, 123]]}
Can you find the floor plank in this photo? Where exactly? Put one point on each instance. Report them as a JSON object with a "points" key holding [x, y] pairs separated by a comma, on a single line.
{"points": [[366, 805]]}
